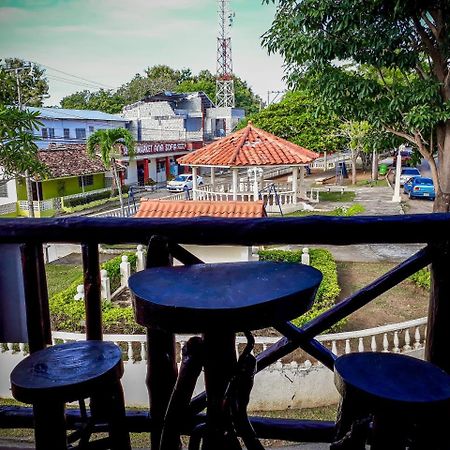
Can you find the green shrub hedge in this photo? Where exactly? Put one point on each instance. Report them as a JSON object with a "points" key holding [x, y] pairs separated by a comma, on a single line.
{"points": [[422, 278], [92, 197], [68, 314], [328, 290]]}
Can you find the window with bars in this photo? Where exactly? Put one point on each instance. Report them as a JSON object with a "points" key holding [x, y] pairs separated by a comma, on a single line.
{"points": [[48, 133], [66, 133], [80, 133], [86, 180]]}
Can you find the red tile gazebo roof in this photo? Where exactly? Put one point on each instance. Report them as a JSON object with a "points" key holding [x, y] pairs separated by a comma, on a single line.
{"points": [[250, 146], [225, 209]]}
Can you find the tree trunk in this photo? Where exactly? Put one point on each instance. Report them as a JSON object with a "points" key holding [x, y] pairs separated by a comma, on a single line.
{"points": [[374, 166], [29, 190], [442, 201], [354, 158], [119, 186]]}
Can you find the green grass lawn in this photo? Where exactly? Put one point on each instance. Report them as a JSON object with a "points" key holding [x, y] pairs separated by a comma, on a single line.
{"points": [[366, 183], [346, 196], [61, 276]]}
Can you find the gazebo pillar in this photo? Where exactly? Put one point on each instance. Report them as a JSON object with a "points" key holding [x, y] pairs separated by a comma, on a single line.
{"points": [[235, 184], [213, 179], [302, 190], [295, 183], [194, 184]]}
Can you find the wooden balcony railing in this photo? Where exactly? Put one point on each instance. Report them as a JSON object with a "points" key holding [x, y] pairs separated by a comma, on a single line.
{"points": [[430, 229]]}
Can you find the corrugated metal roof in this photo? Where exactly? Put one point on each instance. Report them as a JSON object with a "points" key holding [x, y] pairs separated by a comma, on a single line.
{"points": [[187, 208], [76, 114], [250, 146]]}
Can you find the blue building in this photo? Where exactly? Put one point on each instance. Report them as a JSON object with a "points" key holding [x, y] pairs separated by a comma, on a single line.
{"points": [[72, 126]]}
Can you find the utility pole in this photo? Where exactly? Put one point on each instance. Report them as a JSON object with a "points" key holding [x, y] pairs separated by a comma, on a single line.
{"points": [[224, 77], [28, 185]]}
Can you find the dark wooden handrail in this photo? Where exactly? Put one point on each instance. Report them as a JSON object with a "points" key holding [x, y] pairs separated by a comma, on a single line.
{"points": [[216, 231]]}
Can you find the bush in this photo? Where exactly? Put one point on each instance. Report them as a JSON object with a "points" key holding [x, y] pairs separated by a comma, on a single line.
{"points": [[328, 290], [92, 197], [422, 278], [69, 315]]}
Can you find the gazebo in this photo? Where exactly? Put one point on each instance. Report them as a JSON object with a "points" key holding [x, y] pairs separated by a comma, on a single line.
{"points": [[254, 149]]}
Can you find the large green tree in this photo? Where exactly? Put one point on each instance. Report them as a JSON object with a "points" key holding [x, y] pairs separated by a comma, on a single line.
{"points": [[295, 118], [396, 74], [102, 100], [15, 73], [107, 144], [157, 79]]}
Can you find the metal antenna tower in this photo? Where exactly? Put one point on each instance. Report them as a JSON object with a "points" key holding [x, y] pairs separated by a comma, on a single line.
{"points": [[224, 77]]}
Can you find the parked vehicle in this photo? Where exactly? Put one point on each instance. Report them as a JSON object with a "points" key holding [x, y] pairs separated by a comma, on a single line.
{"points": [[420, 187], [183, 182], [407, 173]]}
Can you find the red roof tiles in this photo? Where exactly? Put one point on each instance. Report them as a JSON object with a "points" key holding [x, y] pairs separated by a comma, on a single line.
{"points": [[186, 208], [250, 146], [70, 160]]}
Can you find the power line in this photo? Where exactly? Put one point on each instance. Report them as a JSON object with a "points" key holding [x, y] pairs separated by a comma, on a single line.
{"points": [[73, 82], [76, 76]]}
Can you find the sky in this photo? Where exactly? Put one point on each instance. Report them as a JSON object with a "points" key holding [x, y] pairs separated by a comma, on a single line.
{"points": [[108, 41]]}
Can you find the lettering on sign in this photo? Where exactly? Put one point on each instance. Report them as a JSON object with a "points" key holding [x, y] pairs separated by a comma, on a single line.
{"points": [[157, 147]]}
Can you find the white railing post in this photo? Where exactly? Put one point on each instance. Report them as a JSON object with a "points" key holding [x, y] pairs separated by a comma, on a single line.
{"points": [[125, 271], [140, 258], [105, 285], [80, 293], [305, 256]]}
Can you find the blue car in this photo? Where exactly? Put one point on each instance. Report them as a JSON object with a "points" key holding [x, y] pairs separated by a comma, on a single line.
{"points": [[420, 187]]}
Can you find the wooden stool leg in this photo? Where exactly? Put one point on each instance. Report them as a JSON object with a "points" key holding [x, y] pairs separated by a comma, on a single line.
{"points": [[118, 433], [388, 433], [50, 426]]}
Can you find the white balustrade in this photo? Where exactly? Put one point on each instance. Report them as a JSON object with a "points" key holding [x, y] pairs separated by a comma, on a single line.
{"points": [[105, 285], [125, 271], [305, 256], [80, 293], [140, 258]]}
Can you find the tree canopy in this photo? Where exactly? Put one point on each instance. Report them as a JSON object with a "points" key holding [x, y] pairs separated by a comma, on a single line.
{"points": [[157, 79], [33, 84], [18, 152], [385, 62], [295, 118]]}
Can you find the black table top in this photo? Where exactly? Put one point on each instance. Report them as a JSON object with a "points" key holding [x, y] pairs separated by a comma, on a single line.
{"points": [[232, 296]]}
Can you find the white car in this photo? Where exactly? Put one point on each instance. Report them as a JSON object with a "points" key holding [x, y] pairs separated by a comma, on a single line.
{"points": [[407, 173], [183, 182]]}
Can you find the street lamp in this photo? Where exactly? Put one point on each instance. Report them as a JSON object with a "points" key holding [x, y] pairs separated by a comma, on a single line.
{"points": [[398, 168], [28, 185]]}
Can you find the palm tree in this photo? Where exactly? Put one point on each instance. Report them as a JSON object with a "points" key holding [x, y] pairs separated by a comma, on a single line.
{"points": [[107, 144]]}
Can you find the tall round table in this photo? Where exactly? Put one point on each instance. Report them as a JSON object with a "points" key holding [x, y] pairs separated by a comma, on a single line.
{"points": [[218, 300]]}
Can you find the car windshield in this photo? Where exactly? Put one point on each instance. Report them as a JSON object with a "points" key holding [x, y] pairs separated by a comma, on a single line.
{"points": [[181, 177]]}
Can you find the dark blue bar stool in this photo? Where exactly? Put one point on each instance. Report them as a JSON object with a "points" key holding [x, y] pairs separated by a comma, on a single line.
{"points": [[218, 300], [70, 372], [391, 401]]}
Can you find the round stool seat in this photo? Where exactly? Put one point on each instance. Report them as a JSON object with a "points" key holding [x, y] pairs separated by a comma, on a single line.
{"points": [[67, 372], [386, 382], [233, 296]]}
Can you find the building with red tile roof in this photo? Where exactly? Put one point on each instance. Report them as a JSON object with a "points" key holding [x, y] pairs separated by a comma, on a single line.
{"points": [[177, 209]]}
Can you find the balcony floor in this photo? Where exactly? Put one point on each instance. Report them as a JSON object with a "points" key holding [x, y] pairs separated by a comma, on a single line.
{"points": [[8, 444]]}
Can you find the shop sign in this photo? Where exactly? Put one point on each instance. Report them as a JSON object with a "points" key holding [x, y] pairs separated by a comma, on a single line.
{"points": [[158, 147]]}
